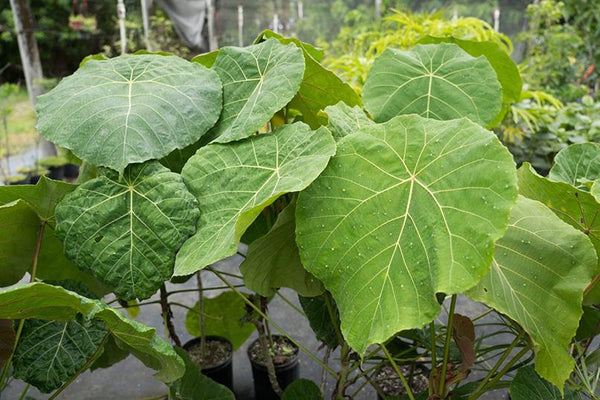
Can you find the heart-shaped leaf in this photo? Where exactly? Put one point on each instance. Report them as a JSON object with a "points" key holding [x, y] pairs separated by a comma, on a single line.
{"points": [[126, 231], [130, 109], [234, 182], [258, 81], [404, 210], [50, 352], [272, 261], [40, 300], [424, 79], [541, 257]]}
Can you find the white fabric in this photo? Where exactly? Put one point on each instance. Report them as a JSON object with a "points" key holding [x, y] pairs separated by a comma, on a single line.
{"points": [[188, 18]]}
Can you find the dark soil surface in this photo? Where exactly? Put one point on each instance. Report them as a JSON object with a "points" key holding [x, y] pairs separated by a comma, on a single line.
{"points": [[283, 351], [391, 385], [216, 353]]}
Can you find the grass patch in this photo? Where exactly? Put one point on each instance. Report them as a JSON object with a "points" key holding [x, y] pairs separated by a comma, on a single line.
{"points": [[20, 122]]}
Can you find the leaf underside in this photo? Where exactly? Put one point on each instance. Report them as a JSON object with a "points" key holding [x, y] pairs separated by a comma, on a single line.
{"points": [[404, 210]]}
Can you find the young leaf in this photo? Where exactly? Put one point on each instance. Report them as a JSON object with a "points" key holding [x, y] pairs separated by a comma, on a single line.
{"points": [[7, 340], [575, 207], [234, 182], [320, 87], [578, 165], [541, 257], [528, 385], [130, 109], [404, 210], [273, 261], [258, 81], [40, 300], [223, 316], [302, 389], [345, 120], [126, 231], [49, 352], [435, 81], [195, 386]]}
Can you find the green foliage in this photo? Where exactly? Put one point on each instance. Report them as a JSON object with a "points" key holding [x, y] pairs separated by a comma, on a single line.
{"points": [[528, 385]]}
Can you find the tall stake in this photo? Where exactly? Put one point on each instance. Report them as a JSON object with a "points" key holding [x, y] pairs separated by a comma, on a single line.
{"points": [[146, 22], [241, 26], [212, 35], [121, 15]]}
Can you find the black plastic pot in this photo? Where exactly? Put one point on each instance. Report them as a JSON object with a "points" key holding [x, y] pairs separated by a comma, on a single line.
{"points": [[286, 374], [56, 173], [33, 179], [222, 373], [71, 171]]}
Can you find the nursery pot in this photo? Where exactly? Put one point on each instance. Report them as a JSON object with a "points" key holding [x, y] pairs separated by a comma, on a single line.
{"points": [[390, 384], [287, 369], [222, 372], [71, 171], [56, 173]]}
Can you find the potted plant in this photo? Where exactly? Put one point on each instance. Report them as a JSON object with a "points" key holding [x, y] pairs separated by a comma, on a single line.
{"points": [[55, 166]]}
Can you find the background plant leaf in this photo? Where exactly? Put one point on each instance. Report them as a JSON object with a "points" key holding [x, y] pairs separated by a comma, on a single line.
{"points": [[320, 319], [258, 81], [345, 120], [130, 109], [396, 218], [578, 165], [7, 340], [527, 385], [302, 389], [541, 257], [424, 79], [223, 316], [40, 300], [272, 261], [320, 87], [234, 182], [126, 231]]}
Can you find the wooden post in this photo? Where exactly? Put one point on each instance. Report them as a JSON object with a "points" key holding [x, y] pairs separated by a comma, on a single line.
{"points": [[377, 10], [146, 22], [241, 26], [28, 49], [212, 35], [300, 10], [121, 14], [497, 19]]}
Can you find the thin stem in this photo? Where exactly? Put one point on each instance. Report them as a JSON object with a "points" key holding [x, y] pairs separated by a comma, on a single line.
{"points": [[483, 314], [82, 369], [36, 255], [340, 386], [289, 303], [206, 289], [168, 315], [24, 392], [138, 305], [227, 273], [447, 345], [324, 373], [281, 330], [201, 315], [433, 345], [409, 392], [591, 285]]}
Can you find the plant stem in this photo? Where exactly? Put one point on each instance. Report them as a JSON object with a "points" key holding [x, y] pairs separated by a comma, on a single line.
{"points": [[24, 392], [201, 315], [32, 273], [204, 289], [447, 345], [409, 392], [85, 366], [324, 373], [340, 386], [266, 353], [289, 303], [168, 315], [433, 345], [490, 383], [281, 330]]}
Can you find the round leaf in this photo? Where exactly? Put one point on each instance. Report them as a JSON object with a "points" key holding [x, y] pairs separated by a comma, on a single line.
{"points": [[234, 182], [439, 81], [258, 81], [126, 231], [578, 165], [541, 257], [404, 210], [130, 109]]}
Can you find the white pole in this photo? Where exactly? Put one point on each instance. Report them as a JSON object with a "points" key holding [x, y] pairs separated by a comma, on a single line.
{"points": [[146, 22], [212, 37], [377, 10], [240, 25], [275, 23], [300, 10], [121, 15], [497, 20]]}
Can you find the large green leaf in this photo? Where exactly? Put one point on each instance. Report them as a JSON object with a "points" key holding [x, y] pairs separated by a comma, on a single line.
{"points": [[130, 109], [439, 81], [579, 166], [406, 209], [345, 120], [41, 197], [541, 257], [50, 352], [7, 340], [272, 261], [576, 207], [43, 301], [125, 231], [258, 81], [527, 385], [320, 87], [195, 386], [223, 316], [506, 69], [320, 319], [234, 182]]}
